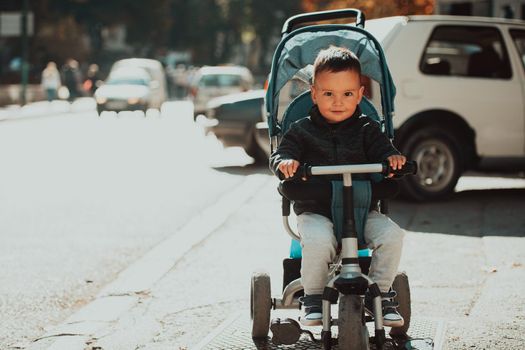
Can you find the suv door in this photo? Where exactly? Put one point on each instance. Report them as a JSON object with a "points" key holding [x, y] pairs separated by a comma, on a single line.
{"points": [[477, 82], [518, 37]]}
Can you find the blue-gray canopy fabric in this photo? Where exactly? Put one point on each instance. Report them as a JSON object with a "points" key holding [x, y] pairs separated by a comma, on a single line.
{"points": [[300, 48]]}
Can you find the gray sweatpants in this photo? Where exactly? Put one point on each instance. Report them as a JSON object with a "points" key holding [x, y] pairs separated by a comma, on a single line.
{"points": [[319, 245]]}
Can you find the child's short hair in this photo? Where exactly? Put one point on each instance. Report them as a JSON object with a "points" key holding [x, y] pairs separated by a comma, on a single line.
{"points": [[336, 59]]}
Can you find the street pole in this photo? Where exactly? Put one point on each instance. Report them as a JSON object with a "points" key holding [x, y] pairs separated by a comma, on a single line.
{"points": [[25, 65]]}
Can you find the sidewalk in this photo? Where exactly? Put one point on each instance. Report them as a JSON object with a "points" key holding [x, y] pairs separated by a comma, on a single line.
{"points": [[45, 108], [472, 282]]}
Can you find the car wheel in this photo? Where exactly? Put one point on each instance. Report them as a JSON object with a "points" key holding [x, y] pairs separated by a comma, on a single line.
{"points": [[436, 152], [255, 151]]}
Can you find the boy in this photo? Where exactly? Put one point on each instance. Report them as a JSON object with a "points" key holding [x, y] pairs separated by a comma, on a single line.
{"points": [[337, 133]]}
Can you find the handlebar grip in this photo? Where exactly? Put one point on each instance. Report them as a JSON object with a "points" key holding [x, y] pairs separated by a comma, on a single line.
{"points": [[410, 168], [303, 172], [285, 206], [294, 21]]}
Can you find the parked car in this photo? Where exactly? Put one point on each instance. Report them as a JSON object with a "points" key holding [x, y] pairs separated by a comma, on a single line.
{"points": [[290, 90], [214, 81], [460, 102], [158, 83], [233, 118], [125, 89]]}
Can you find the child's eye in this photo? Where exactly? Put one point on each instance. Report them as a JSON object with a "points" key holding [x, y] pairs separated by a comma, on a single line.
{"points": [[328, 93], [348, 93]]}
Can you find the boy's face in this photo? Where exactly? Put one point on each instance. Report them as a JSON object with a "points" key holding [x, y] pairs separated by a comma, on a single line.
{"points": [[337, 94]]}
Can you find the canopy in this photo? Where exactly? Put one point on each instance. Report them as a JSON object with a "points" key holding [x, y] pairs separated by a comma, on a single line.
{"points": [[300, 48]]}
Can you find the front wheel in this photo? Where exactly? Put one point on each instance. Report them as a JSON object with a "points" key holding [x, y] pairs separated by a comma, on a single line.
{"points": [[437, 154], [353, 334], [260, 305]]}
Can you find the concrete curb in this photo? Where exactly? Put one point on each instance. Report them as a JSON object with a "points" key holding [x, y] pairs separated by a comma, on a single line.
{"points": [[121, 295]]}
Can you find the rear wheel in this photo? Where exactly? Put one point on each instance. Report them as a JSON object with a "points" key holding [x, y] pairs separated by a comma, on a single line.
{"points": [[260, 305], [353, 334], [439, 165], [402, 289]]}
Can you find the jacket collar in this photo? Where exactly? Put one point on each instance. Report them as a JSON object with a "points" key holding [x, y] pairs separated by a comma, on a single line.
{"points": [[319, 120]]}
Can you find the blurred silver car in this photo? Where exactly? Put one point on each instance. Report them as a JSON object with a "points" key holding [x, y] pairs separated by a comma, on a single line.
{"points": [[125, 89], [158, 85], [215, 81]]}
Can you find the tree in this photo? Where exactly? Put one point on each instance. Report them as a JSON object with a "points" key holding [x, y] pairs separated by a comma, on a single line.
{"points": [[374, 8], [217, 30], [266, 20], [195, 26], [147, 22]]}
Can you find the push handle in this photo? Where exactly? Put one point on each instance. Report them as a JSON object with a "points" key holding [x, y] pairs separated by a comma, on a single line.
{"points": [[294, 21], [410, 168], [304, 171]]}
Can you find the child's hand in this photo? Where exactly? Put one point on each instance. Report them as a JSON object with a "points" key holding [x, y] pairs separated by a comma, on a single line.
{"points": [[396, 162], [288, 167]]}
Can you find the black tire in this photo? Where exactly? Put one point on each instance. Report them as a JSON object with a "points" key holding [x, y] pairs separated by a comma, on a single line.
{"points": [[353, 334], [438, 155], [260, 304], [255, 151], [402, 288]]}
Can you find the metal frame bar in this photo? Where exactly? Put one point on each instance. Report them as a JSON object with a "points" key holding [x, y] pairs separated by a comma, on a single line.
{"points": [[289, 230]]}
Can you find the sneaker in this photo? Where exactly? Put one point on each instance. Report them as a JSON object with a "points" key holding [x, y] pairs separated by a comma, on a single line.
{"points": [[313, 310], [391, 318]]}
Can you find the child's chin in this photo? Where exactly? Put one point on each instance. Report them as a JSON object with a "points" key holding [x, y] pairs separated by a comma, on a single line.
{"points": [[337, 117], [335, 121]]}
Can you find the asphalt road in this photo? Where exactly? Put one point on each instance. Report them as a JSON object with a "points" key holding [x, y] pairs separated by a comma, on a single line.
{"points": [[82, 197]]}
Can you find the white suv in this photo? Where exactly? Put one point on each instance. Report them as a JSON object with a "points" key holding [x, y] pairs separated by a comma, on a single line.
{"points": [[460, 96]]}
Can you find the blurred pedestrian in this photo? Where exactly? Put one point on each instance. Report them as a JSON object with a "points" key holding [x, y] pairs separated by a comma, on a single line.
{"points": [[93, 80], [72, 79], [51, 80]]}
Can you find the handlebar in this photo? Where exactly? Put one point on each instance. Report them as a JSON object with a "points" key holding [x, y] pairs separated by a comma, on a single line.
{"points": [[410, 168], [294, 21], [305, 171]]}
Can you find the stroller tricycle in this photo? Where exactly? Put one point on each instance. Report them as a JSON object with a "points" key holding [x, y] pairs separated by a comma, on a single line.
{"points": [[291, 69]]}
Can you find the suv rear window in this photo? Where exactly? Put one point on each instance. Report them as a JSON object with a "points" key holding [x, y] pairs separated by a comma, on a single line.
{"points": [[468, 51], [220, 80]]}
